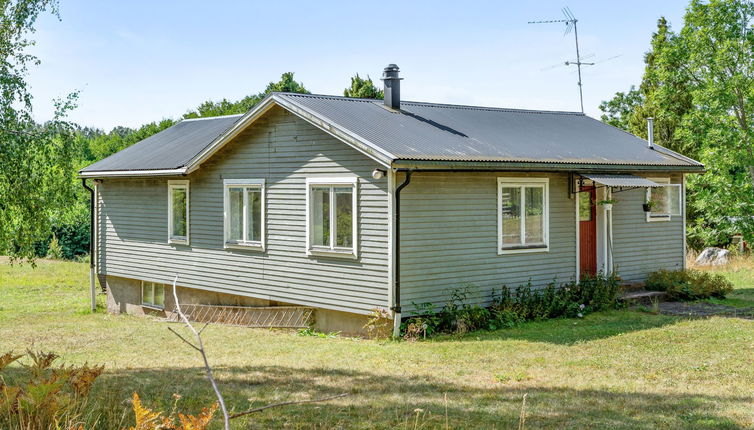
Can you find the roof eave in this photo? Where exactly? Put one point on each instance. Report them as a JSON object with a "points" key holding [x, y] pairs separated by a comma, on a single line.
{"points": [[450, 165], [130, 173]]}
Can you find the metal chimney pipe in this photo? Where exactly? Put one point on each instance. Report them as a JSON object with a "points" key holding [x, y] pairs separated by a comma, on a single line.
{"points": [[392, 86], [651, 133]]}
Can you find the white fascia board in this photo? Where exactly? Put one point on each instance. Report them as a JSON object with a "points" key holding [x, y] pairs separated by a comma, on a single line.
{"points": [[322, 123], [132, 173]]}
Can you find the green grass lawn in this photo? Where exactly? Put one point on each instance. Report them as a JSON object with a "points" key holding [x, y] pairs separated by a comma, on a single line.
{"points": [[619, 369]]}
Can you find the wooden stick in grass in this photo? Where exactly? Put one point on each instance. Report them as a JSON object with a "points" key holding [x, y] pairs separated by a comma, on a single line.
{"points": [[199, 346]]}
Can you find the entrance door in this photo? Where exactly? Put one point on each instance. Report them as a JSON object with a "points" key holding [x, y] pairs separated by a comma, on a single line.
{"points": [[588, 230]]}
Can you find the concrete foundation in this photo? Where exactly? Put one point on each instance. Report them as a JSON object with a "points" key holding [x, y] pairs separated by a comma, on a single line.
{"points": [[124, 296]]}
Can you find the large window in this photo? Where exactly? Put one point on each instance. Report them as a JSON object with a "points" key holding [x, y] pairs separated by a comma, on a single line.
{"points": [[331, 206], [665, 200], [244, 213], [523, 212], [153, 295], [178, 212]]}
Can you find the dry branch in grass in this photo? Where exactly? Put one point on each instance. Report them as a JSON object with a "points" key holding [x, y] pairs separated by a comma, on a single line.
{"points": [[294, 402], [199, 346]]}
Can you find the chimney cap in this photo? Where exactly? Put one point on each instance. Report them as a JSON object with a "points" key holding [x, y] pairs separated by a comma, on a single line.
{"points": [[391, 72]]}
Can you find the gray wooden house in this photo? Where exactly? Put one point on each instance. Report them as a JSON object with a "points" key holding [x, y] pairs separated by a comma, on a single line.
{"points": [[347, 205]]}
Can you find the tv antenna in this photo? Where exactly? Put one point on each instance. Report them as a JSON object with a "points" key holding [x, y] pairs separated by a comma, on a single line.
{"points": [[570, 22]]}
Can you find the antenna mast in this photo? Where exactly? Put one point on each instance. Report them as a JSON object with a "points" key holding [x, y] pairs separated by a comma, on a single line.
{"points": [[570, 22]]}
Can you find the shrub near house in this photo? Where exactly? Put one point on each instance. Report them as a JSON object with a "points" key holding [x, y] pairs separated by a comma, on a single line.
{"points": [[689, 284], [511, 307]]}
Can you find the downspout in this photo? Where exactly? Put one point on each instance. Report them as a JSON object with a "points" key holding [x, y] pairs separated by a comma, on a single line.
{"points": [[396, 308], [92, 290]]}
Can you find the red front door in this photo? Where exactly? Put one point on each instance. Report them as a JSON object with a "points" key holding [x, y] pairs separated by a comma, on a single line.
{"points": [[588, 230]]}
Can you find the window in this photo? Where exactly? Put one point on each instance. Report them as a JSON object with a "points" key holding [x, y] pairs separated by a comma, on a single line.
{"points": [[523, 214], [585, 206], [244, 213], [666, 200], [331, 223], [153, 295], [178, 212]]}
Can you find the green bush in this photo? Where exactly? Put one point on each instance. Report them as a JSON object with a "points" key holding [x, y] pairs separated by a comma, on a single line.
{"points": [[72, 238], [525, 303], [512, 307], [689, 284]]}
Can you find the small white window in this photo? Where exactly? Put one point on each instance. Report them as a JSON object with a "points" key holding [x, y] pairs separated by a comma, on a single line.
{"points": [[244, 213], [331, 216], [153, 295], [523, 215], [178, 212], [665, 201]]}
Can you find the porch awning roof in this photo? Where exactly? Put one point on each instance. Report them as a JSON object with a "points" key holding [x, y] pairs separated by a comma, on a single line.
{"points": [[622, 180]]}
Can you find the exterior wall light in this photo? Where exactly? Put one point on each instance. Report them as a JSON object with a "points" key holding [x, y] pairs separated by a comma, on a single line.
{"points": [[378, 173]]}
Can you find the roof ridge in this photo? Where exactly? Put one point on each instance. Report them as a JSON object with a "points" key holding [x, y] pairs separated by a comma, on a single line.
{"points": [[330, 96], [210, 117], [499, 109], [441, 105]]}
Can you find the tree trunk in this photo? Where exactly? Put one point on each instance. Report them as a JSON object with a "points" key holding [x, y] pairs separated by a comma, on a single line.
{"points": [[751, 174]]}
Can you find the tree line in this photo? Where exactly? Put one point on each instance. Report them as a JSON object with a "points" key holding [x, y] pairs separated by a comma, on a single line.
{"points": [[698, 85]]}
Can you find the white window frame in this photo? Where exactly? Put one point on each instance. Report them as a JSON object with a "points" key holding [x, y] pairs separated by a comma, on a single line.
{"points": [[505, 182], [332, 251], [153, 285], [648, 196], [258, 245], [178, 185]]}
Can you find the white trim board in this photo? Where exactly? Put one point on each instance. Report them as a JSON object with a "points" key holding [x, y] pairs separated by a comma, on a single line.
{"points": [[259, 245], [179, 185], [523, 181], [323, 123], [333, 251]]}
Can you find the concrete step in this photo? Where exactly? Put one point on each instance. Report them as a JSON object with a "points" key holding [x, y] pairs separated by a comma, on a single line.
{"points": [[632, 286], [642, 297]]}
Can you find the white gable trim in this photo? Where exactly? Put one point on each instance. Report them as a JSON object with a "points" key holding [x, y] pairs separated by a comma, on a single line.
{"points": [[323, 123]]}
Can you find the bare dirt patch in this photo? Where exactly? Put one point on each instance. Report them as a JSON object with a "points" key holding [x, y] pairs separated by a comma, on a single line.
{"points": [[703, 309]]}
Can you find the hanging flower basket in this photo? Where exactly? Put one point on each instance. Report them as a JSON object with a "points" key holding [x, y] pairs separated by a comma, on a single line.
{"points": [[607, 204]]}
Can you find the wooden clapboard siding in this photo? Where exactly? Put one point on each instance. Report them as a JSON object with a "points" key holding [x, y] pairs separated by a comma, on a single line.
{"points": [[641, 247], [283, 150], [449, 238]]}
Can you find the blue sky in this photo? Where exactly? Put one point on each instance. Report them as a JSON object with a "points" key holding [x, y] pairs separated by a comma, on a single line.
{"points": [[141, 61]]}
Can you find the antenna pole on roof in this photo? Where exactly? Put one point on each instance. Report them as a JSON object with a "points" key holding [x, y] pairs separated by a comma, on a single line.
{"points": [[570, 22]]}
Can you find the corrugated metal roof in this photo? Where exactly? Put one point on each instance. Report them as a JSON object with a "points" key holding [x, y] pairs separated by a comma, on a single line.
{"points": [[171, 148], [427, 131], [622, 180], [420, 132]]}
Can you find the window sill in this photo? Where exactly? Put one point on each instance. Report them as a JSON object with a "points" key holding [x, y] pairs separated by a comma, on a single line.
{"points": [[524, 249], [658, 218], [153, 307], [178, 241], [331, 253], [246, 247]]}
